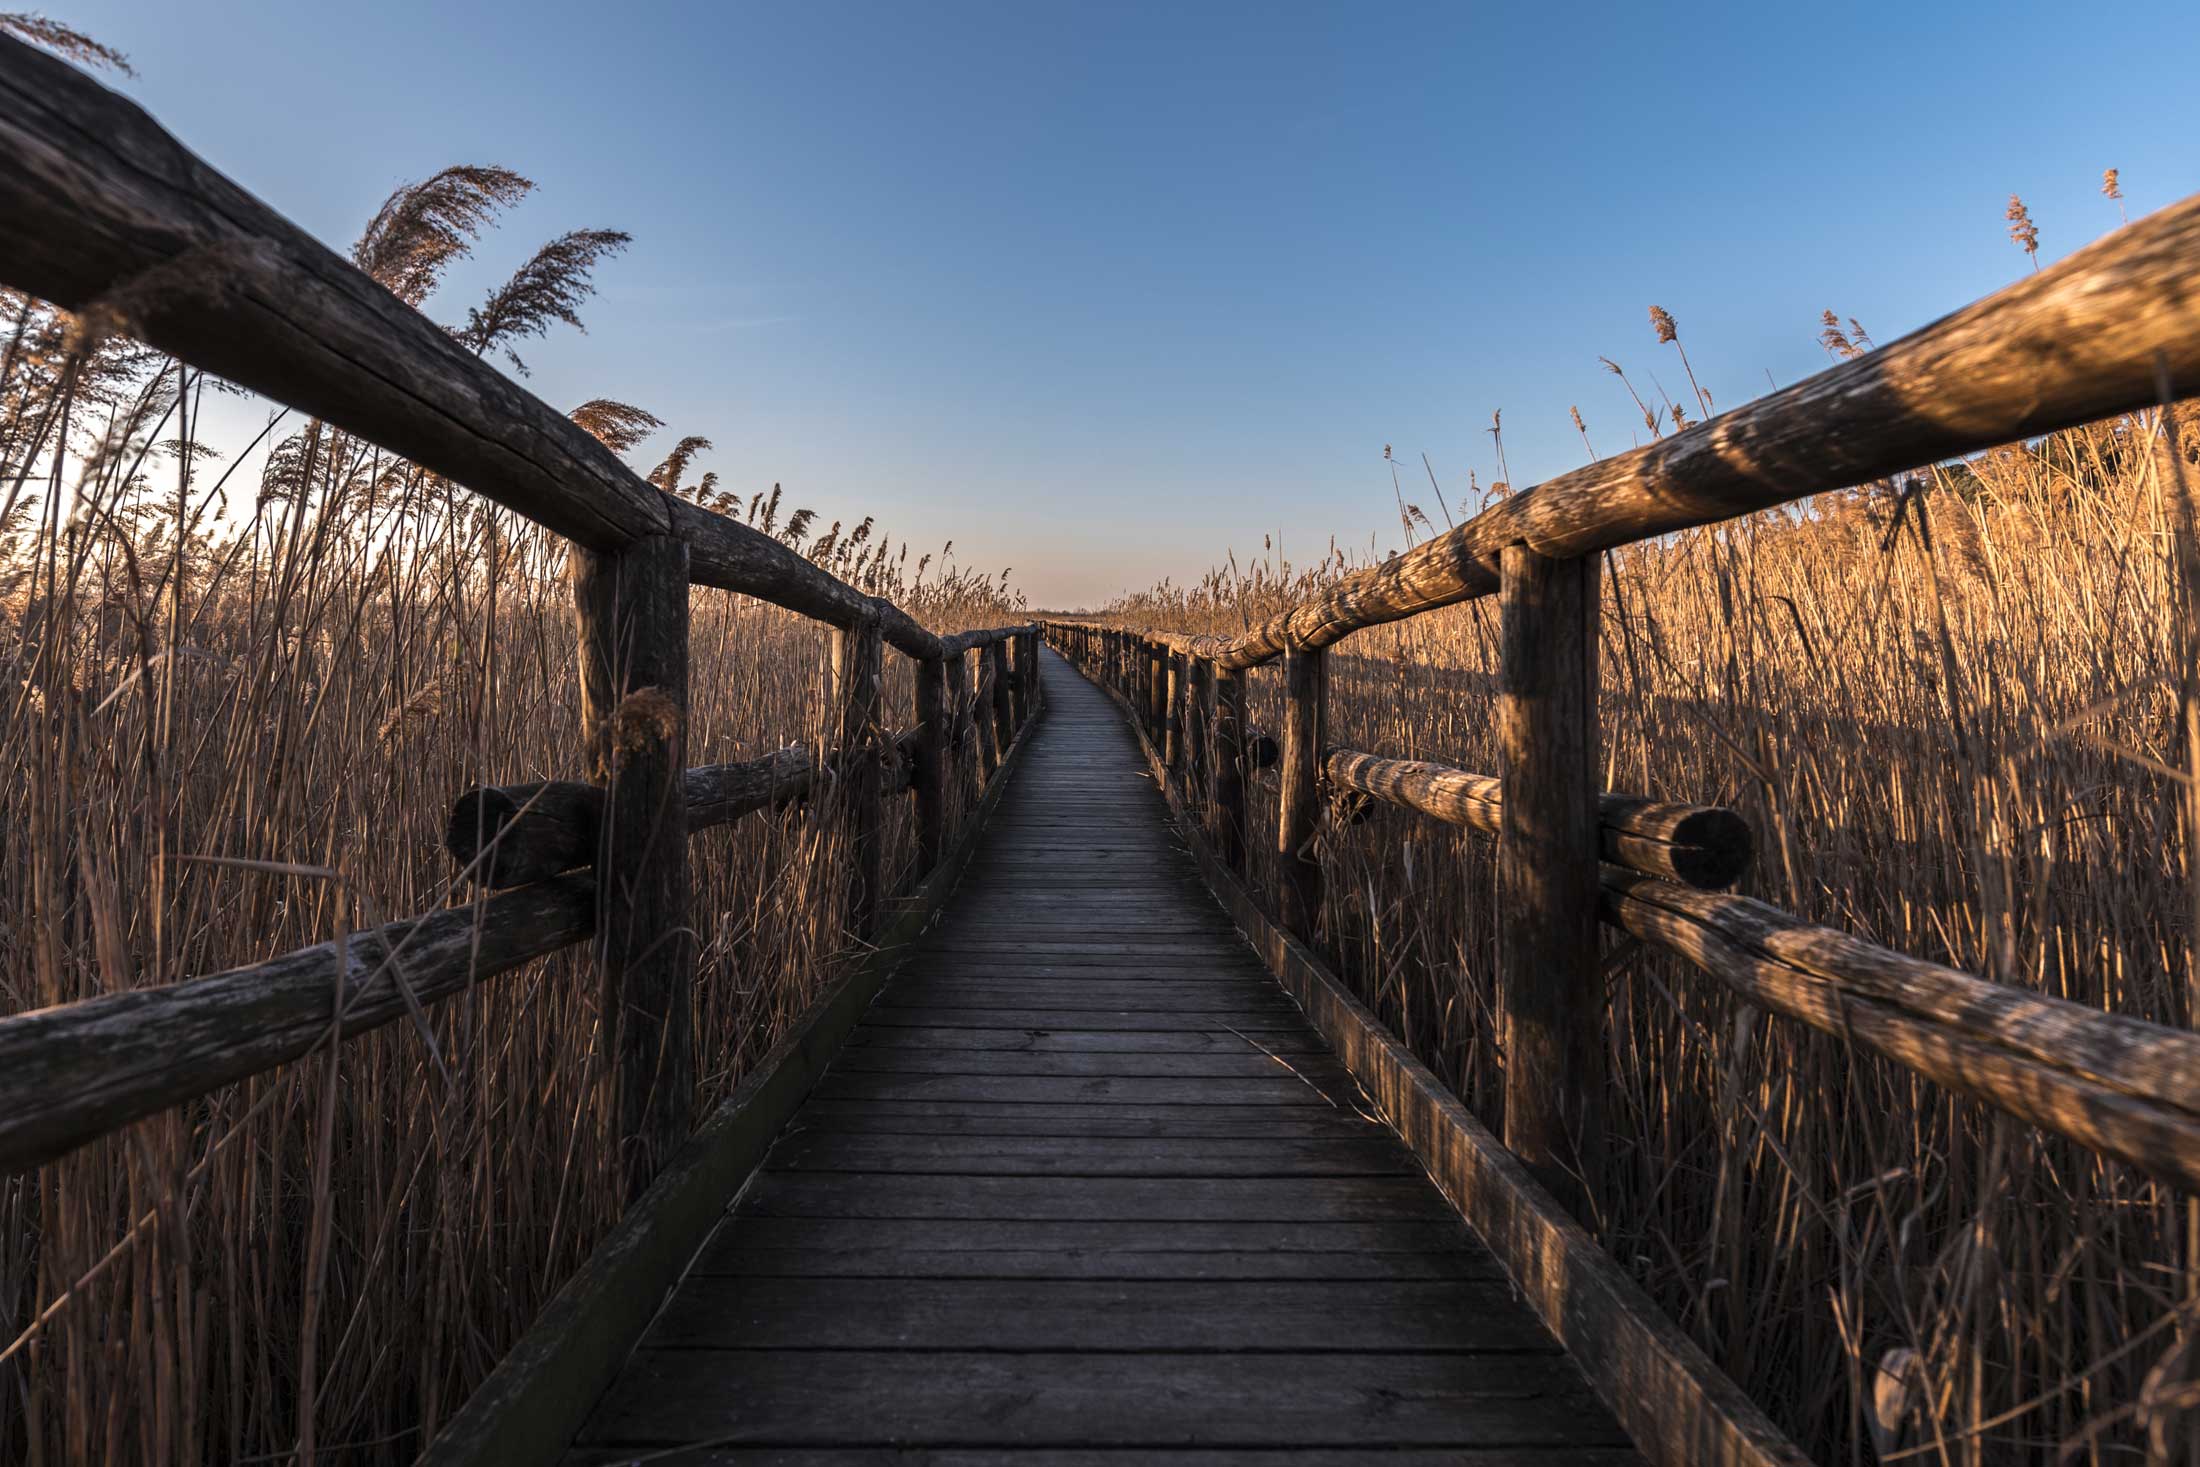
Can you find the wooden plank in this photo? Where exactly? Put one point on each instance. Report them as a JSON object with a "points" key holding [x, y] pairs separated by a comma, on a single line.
{"points": [[1064, 1090], [1127, 1199], [1074, 1244], [741, 1256], [1246, 1063], [1106, 1457], [1038, 1040], [1010, 1118], [1087, 1156], [1282, 1018], [1470, 1316], [1130, 1400]]}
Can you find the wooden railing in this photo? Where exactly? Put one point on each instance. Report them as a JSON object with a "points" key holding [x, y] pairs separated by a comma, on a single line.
{"points": [[2113, 329], [102, 212]]}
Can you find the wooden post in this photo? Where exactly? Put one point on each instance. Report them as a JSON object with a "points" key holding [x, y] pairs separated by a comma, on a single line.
{"points": [[1305, 695], [928, 781], [1230, 766], [1031, 675], [632, 609], [1199, 720], [1019, 693], [981, 721], [1004, 716], [1172, 712], [1550, 986], [955, 673], [1157, 691], [857, 677]]}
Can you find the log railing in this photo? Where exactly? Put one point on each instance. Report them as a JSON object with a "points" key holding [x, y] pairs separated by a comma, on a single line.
{"points": [[105, 214], [2113, 329]]}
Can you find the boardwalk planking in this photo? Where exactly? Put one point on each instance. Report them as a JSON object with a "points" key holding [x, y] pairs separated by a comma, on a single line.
{"points": [[1085, 1187]]}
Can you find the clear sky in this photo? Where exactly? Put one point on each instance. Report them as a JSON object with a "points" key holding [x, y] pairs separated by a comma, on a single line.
{"points": [[1102, 292]]}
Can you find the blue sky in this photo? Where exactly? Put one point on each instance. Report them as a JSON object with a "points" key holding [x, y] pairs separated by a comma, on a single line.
{"points": [[1103, 292]]}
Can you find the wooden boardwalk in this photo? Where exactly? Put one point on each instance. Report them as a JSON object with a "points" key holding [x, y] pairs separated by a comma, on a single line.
{"points": [[1085, 1187]]}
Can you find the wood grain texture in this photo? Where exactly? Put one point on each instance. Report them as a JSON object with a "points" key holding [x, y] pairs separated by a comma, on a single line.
{"points": [[1697, 845], [2073, 343], [77, 1071], [632, 610], [541, 1391], [1084, 1176], [858, 692], [1678, 1406], [102, 210], [1298, 822], [1550, 979]]}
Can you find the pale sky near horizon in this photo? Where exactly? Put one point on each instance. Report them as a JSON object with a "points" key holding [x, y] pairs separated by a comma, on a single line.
{"points": [[1104, 293]]}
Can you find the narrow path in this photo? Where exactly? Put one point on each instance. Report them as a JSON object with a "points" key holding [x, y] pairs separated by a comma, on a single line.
{"points": [[1085, 1180]]}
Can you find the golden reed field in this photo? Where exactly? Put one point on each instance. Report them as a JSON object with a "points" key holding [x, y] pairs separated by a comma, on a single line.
{"points": [[239, 699]]}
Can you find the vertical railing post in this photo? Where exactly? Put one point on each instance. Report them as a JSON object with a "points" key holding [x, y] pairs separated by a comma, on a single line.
{"points": [[1004, 715], [955, 674], [1305, 696], [1230, 766], [981, 718], [1550, 985], [1019, 695], [1157, 692], [1031, 677], [858, 673], [1172, 711], [928, 780], [632, 610], [1199, 722]]}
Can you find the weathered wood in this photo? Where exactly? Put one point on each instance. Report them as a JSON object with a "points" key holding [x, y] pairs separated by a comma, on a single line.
{"points": [[1019, 682], [1231, 768], [1004, 712], [858, 679], [2073, 343], [535, 1400], [1549, 979], [1074, 1200], [72, 1073], [1696, 845], [1199, 723], [1094, 1314], [1172, 715], [928, 764], [1298, 823], [102, 211], [981, 719], [632, 610], [1679, 1407], [538, 830], [2123, 1088], [1141, 1401]]}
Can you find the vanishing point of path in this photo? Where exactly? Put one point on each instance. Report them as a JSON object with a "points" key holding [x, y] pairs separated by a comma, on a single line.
{"points": [[1086, 1188]]}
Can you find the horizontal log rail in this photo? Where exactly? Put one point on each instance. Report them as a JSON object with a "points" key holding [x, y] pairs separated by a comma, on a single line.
{"points": [[510, 835], [2089, 337], [72, 1073], [1696, 845], [2118, 1086]]}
